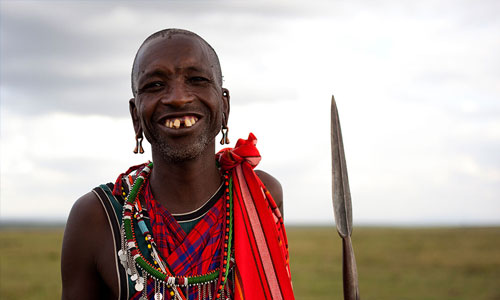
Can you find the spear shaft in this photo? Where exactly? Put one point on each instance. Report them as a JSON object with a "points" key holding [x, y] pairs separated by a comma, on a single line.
{"points": [[342, 208]]}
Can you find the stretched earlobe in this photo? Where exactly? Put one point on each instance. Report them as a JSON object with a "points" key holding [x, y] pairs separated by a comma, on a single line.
{"points": [[226, 99], [137, 127]]}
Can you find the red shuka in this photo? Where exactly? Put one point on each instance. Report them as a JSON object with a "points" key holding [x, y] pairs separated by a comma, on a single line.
{"points": [[261, 247]]}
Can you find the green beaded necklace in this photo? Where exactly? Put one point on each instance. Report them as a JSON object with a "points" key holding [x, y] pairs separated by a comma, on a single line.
{"points": [[131, 256]]}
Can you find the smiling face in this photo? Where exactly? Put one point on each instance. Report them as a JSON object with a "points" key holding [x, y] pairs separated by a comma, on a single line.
{"points": [[179, 103]]}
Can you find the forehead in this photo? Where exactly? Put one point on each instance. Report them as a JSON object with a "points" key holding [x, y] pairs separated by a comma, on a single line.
{"points": [[177, 51]]}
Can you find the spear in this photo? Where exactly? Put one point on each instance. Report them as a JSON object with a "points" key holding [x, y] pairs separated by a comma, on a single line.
{"points": [[342, 208]]}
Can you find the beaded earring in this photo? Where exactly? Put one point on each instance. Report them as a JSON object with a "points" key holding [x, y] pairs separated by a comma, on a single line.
{"points": [[138, 143]]}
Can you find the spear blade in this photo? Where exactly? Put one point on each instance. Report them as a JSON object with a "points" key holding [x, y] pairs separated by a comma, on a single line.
{"points": [[342, 207]]}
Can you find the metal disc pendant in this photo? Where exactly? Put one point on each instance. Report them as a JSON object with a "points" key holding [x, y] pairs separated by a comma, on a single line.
{"points": [[139, 286], [134, 277], [158, 296], [122, 256], [129, 271]]}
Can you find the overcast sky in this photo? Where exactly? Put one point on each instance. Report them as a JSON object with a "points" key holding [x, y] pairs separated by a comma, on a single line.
{"points": [[417, 85]]}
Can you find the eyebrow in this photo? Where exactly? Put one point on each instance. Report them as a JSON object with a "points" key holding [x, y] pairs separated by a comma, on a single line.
{"points": [[195, 69], [156, 72], [162, 73]]}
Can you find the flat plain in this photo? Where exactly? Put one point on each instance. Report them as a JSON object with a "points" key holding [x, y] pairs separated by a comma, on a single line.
{"points": [[393, 263]]}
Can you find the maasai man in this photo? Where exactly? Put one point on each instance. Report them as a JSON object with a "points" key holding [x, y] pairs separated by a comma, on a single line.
{"points": [[191, 225]]}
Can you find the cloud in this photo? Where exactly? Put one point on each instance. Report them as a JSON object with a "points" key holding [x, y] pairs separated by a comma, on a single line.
{"points": [[84, 68], [417, 85]]}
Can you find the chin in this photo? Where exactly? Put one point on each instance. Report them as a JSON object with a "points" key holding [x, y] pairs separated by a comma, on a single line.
{"points": [[181, 153], [185, 149]]}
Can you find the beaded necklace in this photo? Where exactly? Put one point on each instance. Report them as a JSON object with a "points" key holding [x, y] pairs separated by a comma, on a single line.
{"points": [[166, 283]]}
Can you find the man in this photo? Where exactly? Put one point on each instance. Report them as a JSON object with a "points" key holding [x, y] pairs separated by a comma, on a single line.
{"points": [[191, 226]]}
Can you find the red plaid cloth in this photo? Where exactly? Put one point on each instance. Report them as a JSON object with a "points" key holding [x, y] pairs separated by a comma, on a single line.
{"points": [[195, 253]]}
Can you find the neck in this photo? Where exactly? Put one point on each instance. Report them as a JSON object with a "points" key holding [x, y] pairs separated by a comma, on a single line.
{"points": [[184, 186]]}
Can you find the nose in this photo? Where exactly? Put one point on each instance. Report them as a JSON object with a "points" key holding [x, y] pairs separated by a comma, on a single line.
{"points": [[177, 95]]}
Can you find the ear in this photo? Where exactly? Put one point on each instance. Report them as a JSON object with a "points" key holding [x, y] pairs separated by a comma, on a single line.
{"points": [[225, 105], [135, 117]]}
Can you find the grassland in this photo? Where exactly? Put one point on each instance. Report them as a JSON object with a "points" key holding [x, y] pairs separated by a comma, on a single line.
{"points": [[393, 263], [400, 264]]}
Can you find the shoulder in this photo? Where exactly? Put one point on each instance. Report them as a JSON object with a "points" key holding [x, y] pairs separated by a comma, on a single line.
{"points": [[85, 249], [273, 186], [86, 214], [86, 225]]}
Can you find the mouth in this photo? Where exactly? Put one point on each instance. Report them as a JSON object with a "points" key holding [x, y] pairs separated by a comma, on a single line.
{"points": [[180, 122]]}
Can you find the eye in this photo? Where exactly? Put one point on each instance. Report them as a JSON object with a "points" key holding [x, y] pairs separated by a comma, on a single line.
{"points": [[198, 79], [152, 87]]}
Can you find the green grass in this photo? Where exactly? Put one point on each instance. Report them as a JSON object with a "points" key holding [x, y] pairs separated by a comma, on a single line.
{"points": [[30, 263], [402, 264], [393, 263]]}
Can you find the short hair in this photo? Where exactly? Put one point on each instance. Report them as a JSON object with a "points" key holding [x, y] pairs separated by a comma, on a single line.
{"points": [[171, 32]]}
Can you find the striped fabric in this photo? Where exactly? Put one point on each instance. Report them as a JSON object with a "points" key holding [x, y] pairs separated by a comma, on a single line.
{"points": [[261, 247]]}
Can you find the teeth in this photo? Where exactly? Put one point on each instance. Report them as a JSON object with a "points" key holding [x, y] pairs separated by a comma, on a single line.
{"points": [[188, 121]]}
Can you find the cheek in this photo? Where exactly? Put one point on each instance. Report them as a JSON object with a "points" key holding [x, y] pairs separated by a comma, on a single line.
{"points": [[144, 112], [146, 107], [217, 113]]}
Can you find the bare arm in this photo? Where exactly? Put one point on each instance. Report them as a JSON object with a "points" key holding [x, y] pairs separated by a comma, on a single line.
{"points": [[84, 246], [274, 187]]}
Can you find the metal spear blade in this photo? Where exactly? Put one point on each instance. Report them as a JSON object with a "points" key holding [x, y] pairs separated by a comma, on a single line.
{"points": [[341, 194], [342, 208]]}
